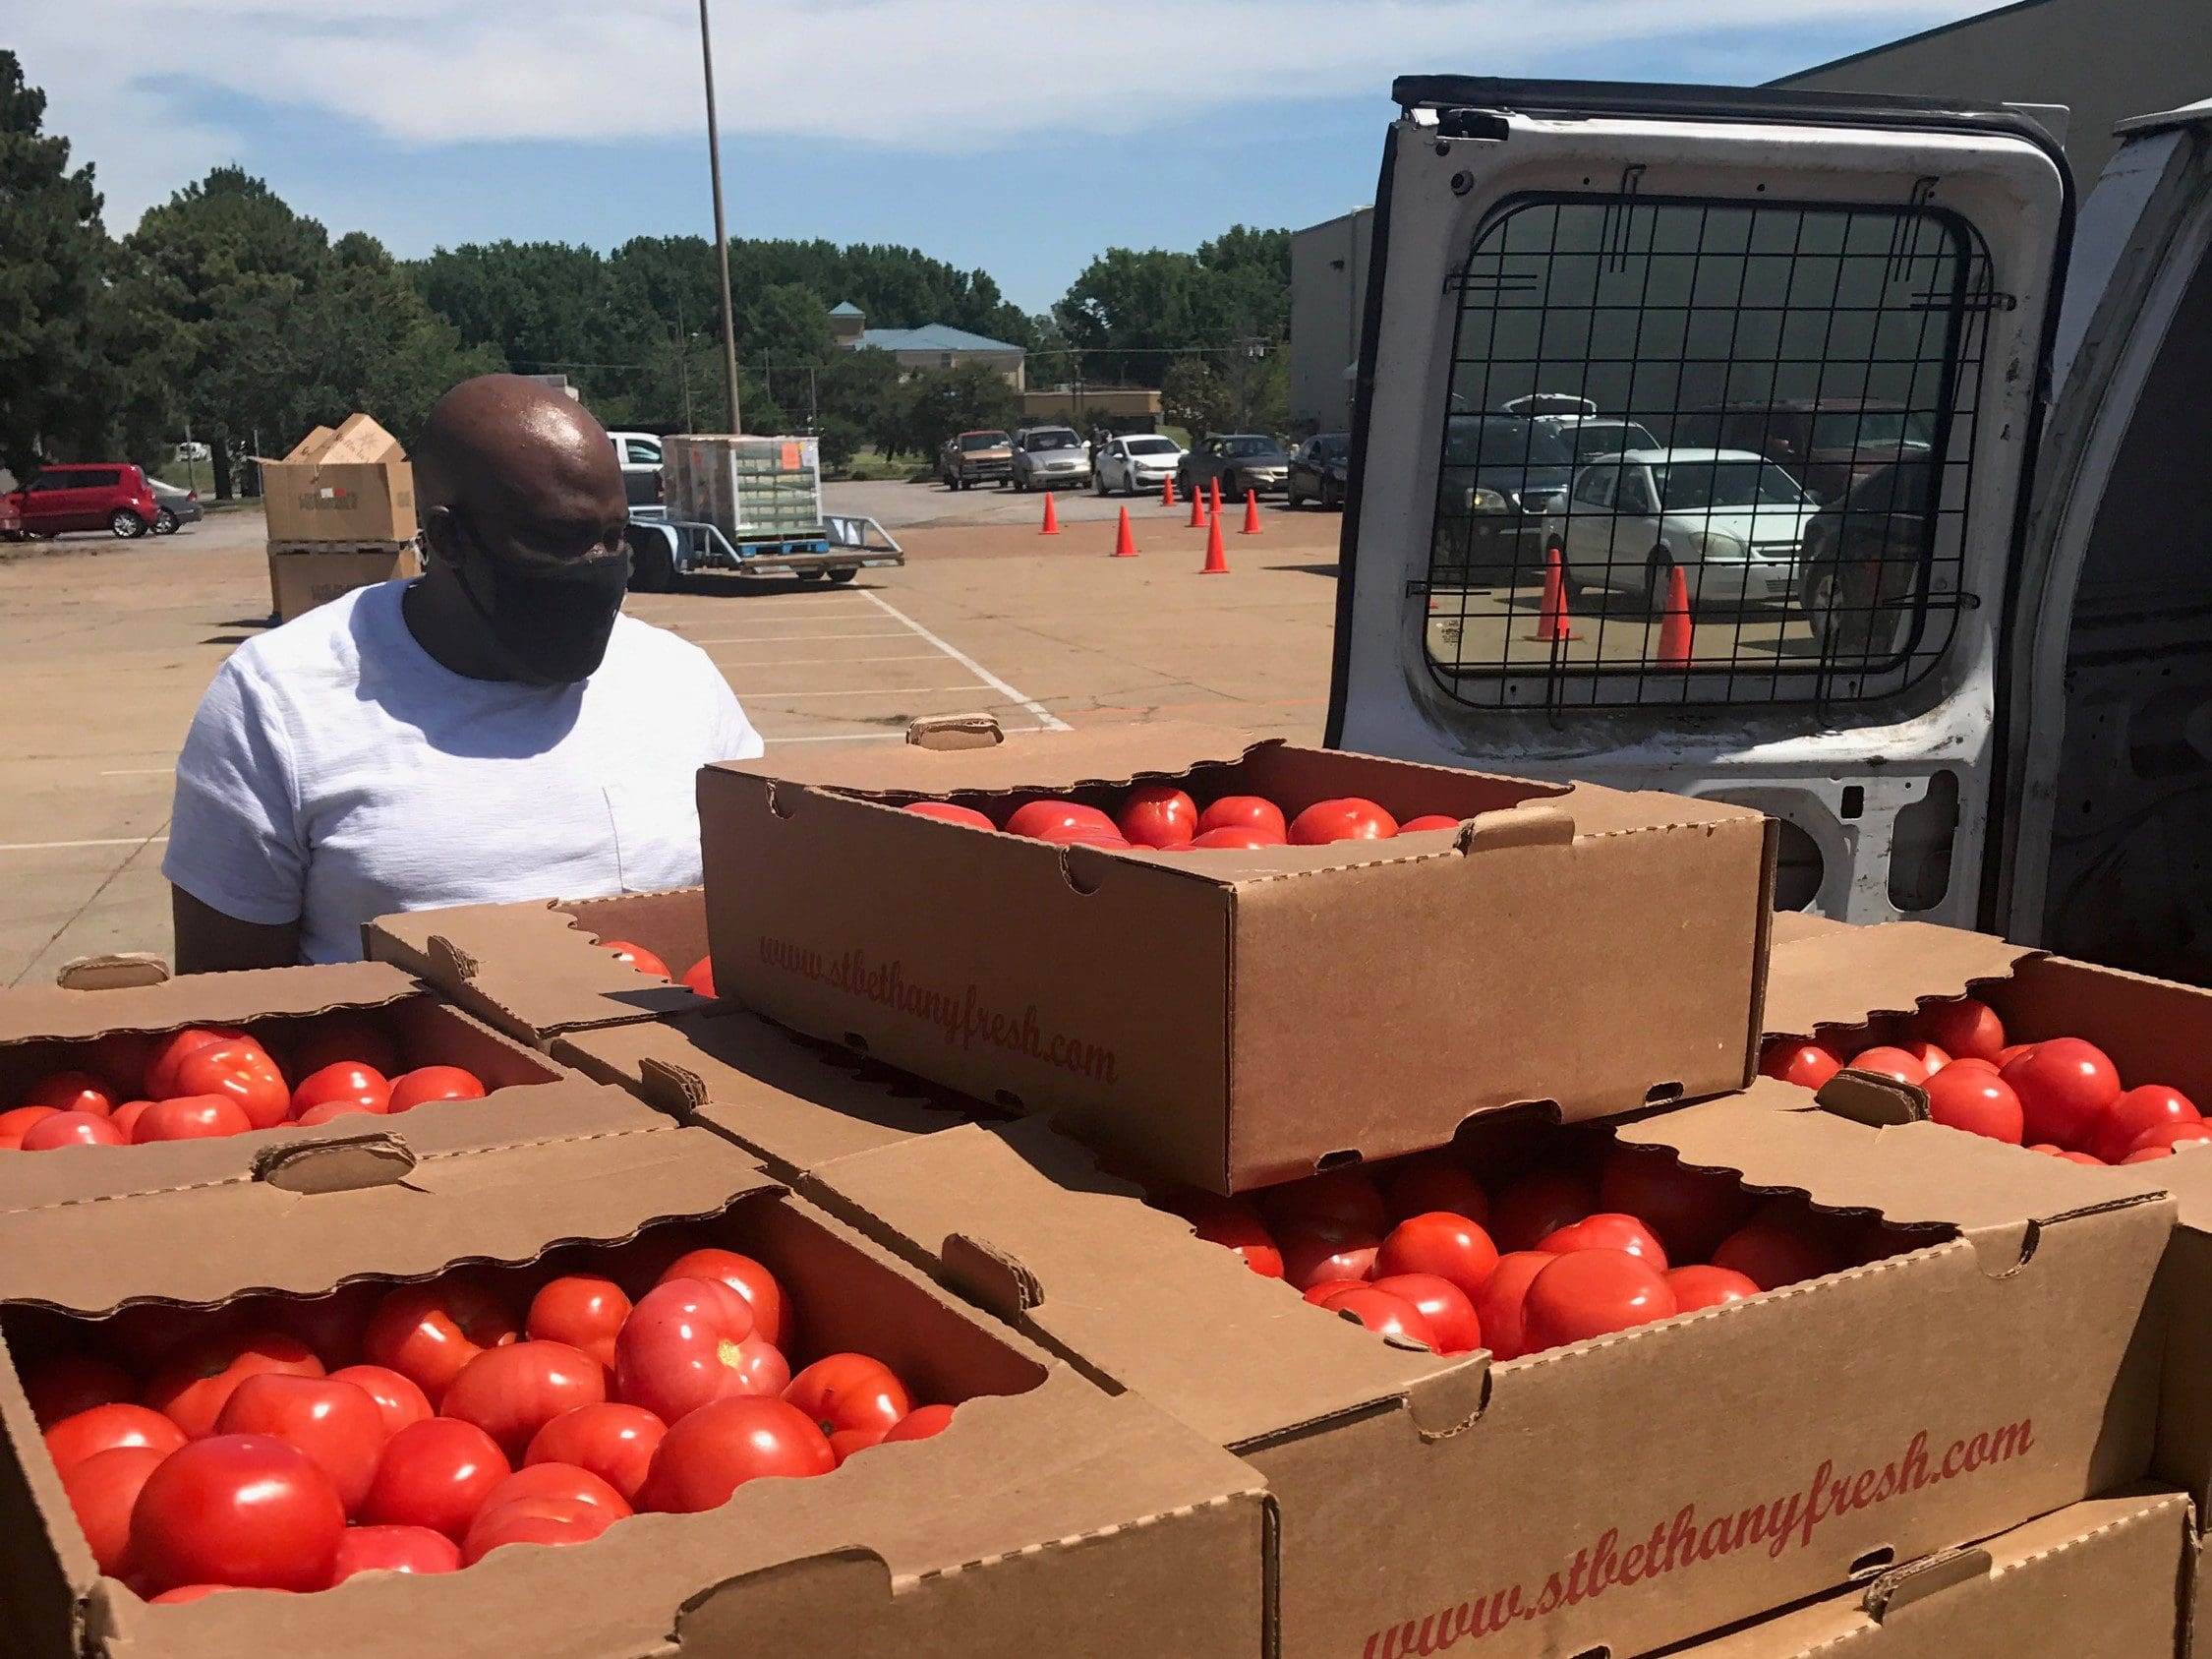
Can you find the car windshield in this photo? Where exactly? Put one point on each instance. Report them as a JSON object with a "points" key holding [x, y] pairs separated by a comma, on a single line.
{"points": [[1248, 447], [1503, 441], [1059, 438], [1870, 428], [1609, 438], [982, 440], [1331, 449], [1701, 485], [1151, 447]]}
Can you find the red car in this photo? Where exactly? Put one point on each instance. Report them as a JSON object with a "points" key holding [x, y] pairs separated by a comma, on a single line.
{"points": [[87, 496]]}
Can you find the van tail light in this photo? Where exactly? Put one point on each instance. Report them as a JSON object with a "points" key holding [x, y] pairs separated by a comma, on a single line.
{"points": [[192, 495]]}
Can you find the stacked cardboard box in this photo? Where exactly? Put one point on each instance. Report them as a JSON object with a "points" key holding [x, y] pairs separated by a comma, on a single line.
{"points": [[340, 507]]}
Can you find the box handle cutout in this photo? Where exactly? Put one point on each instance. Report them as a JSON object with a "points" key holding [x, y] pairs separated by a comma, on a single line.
{"points": [[120, 970], [1660, 1094], [1515, 826], [1877, 1560], [782, 803], [1335, 1161], [990, 1278], [1084, 868], [1920, 1579], [813, 1593], [1448, 1402], [1879, 1102], [1007, 1099], [947, 731], [347, 1164], [856, 1042]]}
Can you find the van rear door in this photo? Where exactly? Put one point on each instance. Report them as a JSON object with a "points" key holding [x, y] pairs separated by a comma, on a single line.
{"points": [[1754, 278]]}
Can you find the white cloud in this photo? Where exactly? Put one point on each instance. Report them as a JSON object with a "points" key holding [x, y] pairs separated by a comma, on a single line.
{"points": [[906, 75]]}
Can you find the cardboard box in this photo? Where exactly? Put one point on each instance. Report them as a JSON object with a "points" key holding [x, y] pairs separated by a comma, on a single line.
{"points": [[301, 577], [2103, 1579], [351, 485], [45, 1028], [536, 969], [1049, 1517], [1236, 1018]]}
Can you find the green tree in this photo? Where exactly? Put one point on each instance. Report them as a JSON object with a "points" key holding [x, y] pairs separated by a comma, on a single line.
{"points": [[1131, 315], [1195, 397], [939, 403], [861, 389]]}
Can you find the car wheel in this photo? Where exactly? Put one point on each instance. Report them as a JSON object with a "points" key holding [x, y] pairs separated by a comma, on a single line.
{"points": [[165, 524], [1292, 499], [125, 524], [1098, 484], [652, 562], [844, 574]]}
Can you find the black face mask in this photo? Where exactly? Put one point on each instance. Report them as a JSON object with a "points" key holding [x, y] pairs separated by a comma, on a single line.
{"points": [[545, 625]]}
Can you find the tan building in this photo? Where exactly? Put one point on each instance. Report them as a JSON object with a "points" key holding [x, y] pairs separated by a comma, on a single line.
{"points": [[934, 345], [1328, 288], [1119, 408]]}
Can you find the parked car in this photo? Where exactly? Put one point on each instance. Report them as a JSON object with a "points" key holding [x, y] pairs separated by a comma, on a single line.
{"points": [[1242, 460], [639, 456], [109, 495], [1501, 475], [1729, 519], [982, 457], [1592, 436], [1048, 456], [1319, 470], [1548, 403], [174, 507], [1136, 464], [1862, 557], [1829, 443]]}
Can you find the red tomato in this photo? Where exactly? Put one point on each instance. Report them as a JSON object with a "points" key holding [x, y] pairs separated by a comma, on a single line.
{"points": [[1156, 815], [771, 1308], [101, 1490], [1440, 1244], [679, 1348], [699, 978], [1537, 1204], [425, 1084], [1246, 812], [2147, 1106], [71, 1129], [193, 1389], [945, 813], [240, 1509], [1429, 821], [510, 1393], [1927, 1054], [346, 1083], [1772, 1252], [921, 1423], [1697, 1287], [2065, 1085], [1446, 1309], [1084, 835], [580, 1310], [1977, 1100], [161, 1069], [1964, 1028], [336, 1424], [1974, 1063], [1051, 821], [761, 1368], [120, 1060], [1607, 1230], [241, 1070], [2012, 1051], [849, 1391], [1351, 817], [1383, 1311], [845, 1443], [1434, 1182], [1233, 1224], [1231, 839], [400, 1401], [1499, 1309], [637, 955], [726, 1443], [567, 1482], [189, 1117], [1807, 1064], [427, 1333], [1325, 1252], [72, 1092], [533, 1521], [1346, 1195], [2060, 1152], [1887, 1060], [67, 1383], [331, 1325], [1690, 1210], [1587, 1293], [614, 1441], [103, 1428], [345, 1040], [193, 1592], [436, 1475], [2172, 1137], [13, 1124], [394, 1549]]}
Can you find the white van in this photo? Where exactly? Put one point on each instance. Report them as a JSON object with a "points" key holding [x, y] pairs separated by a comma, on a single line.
{"points": [[2001, 715]]}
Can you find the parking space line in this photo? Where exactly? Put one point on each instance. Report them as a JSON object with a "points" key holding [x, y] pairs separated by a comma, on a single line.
{"points": [[1045, 717], [859, 691], [139, 772], [66, 846]]}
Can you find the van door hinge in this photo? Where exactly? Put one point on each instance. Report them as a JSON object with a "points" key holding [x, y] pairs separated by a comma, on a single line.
{"points": [[1486, 124]]}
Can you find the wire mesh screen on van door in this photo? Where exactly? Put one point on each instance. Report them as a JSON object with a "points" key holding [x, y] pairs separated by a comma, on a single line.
{"points": [[1704, 452]]}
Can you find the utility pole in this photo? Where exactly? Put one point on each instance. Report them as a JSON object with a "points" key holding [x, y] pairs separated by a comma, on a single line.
{"points": [[722, 231]]}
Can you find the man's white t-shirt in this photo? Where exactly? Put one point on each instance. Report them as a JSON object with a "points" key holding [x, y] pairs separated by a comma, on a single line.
{"points": [[336, 772]]}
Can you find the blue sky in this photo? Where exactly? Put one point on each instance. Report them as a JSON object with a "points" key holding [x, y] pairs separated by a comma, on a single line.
{"points": [[432, 122]]}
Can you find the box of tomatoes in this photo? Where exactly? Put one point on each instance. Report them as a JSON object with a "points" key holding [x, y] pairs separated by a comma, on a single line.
{"points": [[1233, 961], [146, 1083], [549, 966], [599, 1396]]}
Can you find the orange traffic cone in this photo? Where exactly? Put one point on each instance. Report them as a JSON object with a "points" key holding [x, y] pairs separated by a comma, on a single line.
{"points": [[1167, 490], [1198, 509], [1675, 623], [1217, 557], [1124, 544], [1213, 498], [1251, 513], [1051, 526], [1552, 621]]}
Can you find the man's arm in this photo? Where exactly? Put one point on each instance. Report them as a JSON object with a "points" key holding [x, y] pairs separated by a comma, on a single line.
{"points": [[210, 942]]}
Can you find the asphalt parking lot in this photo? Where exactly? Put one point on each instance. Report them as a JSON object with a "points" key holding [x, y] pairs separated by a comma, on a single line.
{"points": [[105, 648]]}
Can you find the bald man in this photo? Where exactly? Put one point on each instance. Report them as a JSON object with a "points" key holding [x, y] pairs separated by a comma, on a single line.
{"points": [[494, 730]]}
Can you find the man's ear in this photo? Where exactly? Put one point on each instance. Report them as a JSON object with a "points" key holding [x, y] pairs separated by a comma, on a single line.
{"points": [[441, 537]]}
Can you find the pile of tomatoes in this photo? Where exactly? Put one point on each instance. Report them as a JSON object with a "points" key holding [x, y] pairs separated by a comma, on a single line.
{"points": [[288, 1445], [698, 977], [205, 1081], [1580, 1246], [2060, 1096], [1169, 820]]}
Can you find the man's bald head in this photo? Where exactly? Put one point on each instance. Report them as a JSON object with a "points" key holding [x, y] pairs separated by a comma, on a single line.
{"points": [[526, 467]]}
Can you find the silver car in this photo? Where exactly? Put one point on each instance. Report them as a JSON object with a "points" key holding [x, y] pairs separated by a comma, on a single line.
{"points": [[1048, 457]]}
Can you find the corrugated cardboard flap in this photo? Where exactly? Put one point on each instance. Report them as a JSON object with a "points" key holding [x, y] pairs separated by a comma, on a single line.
{"points": [[1839, 976], [37, 1013], [1099, 754], [519, 968]]}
